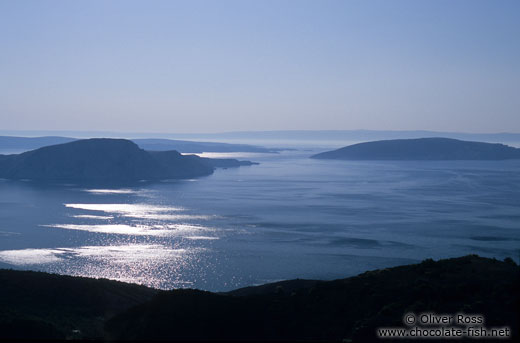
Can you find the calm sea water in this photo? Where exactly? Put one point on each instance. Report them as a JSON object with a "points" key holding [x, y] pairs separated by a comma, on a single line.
{"points": [[289, 217]]}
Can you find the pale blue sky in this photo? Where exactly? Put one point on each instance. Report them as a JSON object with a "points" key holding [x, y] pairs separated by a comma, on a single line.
{"points": [[212, 66]]}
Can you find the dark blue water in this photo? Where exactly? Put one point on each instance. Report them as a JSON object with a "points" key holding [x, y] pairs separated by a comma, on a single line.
{"points": [[289, 217]]}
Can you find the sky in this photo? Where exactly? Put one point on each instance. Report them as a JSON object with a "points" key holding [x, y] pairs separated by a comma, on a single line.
{"points": [[217, 66]]}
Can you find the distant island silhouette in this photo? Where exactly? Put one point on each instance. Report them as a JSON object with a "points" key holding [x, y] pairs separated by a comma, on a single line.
{"points": [[422, 149], [21, 144], [106, 160]]}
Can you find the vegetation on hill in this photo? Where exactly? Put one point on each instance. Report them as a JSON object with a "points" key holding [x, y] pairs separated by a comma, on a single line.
{"points": [[43, 305], [36, 305]]}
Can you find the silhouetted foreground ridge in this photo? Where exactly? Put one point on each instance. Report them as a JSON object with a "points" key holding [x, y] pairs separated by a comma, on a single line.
{"points": [[106, 160], [39, 305], [422, 149]]}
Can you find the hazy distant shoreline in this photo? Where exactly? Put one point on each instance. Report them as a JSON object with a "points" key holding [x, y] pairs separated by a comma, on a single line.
{"points": [[277, 134]]}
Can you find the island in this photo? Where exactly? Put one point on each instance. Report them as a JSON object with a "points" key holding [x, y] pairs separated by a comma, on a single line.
{"points": [[108, 161], [22, 144], [198, 147], [422, 149], [41, 306]]}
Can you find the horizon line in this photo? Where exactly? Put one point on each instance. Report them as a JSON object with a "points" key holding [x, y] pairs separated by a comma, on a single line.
{"points": [[39, 132]]}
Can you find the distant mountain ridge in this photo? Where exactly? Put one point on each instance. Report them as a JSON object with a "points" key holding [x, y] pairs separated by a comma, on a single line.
{"points": [[20, 144], [337, 135], [422, 149], [105, 160], [355, 135], [197, 147]]}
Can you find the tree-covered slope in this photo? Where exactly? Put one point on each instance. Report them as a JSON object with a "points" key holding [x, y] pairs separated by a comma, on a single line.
{"points": [[39, 305]]}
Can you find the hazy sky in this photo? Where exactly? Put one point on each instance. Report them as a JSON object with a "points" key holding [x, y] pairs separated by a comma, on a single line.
{"points": [[211, 66]]}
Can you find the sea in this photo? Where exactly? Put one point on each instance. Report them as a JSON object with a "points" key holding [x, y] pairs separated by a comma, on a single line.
{"points": [[288, 217]]}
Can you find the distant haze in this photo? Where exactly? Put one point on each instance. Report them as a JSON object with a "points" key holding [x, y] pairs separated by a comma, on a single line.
{"points": [[215, 66]]}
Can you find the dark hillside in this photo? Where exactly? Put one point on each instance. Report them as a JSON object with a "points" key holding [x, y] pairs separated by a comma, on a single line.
{"points": [[39, 305], [48, 306], [351, 308]]}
